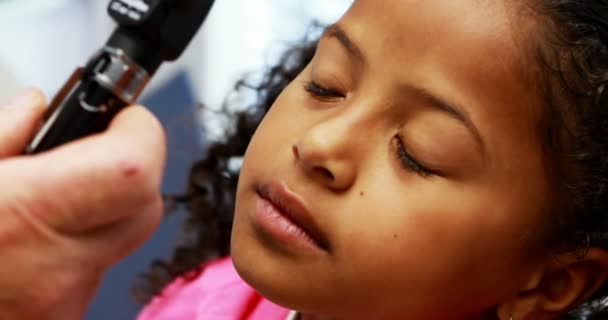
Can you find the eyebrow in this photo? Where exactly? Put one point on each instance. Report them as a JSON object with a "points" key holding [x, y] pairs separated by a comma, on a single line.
{"points": [[453, 110], [337, 32]]}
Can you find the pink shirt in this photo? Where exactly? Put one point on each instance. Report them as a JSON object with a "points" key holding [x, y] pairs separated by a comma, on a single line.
{"points": [[217, 294]]}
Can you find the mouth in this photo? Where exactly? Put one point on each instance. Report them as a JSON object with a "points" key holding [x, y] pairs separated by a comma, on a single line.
{"points": [[290, 214]]}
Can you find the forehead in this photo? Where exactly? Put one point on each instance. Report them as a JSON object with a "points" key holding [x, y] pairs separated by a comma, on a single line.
{"points": [[408, 30], [436, 17]]}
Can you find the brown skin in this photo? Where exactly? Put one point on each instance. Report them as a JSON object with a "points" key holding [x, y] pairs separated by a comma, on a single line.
{"points": [[455, 244]]}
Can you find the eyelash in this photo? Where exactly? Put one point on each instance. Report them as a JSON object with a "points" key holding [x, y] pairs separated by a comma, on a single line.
{"points": [[321, 92], [408, 162]]}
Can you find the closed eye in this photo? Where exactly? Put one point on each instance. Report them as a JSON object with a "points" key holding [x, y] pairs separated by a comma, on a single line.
{"points": [[321, 92], [409, 162]]}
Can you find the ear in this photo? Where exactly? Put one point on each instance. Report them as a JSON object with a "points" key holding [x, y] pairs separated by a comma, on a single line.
{"points": [[558, 287]]}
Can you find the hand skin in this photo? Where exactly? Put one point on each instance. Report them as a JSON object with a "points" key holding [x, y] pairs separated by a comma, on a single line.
{"points": [[70, 213]]}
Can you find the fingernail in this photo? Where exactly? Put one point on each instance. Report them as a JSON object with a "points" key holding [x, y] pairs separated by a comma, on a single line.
{"points": [[23, 99]]}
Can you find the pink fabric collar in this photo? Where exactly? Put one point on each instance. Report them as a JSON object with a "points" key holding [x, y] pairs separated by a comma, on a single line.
{"points": [[217, 294]]}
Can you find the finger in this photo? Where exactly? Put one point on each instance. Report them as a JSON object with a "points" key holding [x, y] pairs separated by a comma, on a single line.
{"points": [[114, 242], [18, 120], [92, 182]]}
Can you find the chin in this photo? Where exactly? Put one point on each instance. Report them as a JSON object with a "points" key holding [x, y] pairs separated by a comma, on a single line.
{"points": [[272, 279], [258, 275]]}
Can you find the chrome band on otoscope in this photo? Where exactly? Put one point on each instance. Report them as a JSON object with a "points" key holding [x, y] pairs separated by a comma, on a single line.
{"points": [[116, 72]]}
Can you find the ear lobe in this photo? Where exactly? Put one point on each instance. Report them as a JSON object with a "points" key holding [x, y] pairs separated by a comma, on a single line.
{"points": [[525, 302], [559, 287]]}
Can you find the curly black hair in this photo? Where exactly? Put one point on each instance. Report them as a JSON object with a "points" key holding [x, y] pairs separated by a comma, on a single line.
{"points": [[573, 54]]}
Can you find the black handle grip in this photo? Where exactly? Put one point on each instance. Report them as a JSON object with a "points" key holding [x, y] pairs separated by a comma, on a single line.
{"points": [[87, 108]]}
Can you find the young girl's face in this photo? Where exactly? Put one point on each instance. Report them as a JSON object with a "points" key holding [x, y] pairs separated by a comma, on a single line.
{"points": [[408, 153]]}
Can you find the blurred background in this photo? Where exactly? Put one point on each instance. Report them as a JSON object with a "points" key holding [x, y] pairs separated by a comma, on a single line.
{"points": [[43, 41]]}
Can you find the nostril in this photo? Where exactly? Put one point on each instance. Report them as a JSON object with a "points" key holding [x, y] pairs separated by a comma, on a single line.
{"points": [[319, 170], [324, 172]]}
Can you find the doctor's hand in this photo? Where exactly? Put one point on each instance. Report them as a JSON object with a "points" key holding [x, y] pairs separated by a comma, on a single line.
{"points": [[68, 214]]}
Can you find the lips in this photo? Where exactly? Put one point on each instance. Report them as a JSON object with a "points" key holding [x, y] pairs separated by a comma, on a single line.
{"points": [[294, 209]]}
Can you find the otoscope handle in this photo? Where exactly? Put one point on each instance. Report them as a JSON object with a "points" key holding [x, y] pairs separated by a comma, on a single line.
{"points": [[83, 111], [90, 99]]}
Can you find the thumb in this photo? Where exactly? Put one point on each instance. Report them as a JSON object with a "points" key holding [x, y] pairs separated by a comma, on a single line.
{"points": [[98, 180], [18, 120]]}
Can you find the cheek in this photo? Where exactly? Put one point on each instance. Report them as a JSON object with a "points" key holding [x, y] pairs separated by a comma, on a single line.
{"points": [[427, 235], [281, 126], [272, 142]]}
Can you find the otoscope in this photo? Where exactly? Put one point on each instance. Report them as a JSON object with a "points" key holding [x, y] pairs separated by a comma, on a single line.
{"points": [[149, 32]]}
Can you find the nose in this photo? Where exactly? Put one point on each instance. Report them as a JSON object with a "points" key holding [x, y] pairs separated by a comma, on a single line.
{"points": [[326, 154]]}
